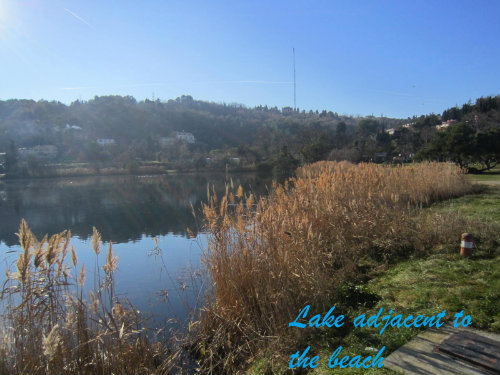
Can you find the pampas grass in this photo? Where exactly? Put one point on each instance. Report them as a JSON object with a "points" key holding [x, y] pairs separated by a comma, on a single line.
{"points": [[298, 245], [48, 327]]}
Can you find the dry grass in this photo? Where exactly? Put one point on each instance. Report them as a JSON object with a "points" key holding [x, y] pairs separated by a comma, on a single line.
{"points": [[48, 327], [296, 247]]}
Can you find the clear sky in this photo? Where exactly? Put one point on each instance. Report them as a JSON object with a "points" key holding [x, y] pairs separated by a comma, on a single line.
{"points": [[398, 58]]}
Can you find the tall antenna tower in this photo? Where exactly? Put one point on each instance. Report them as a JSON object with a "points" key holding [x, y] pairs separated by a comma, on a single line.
{"points": [[294, 86]]}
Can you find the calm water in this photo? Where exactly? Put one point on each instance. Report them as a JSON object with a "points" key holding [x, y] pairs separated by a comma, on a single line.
{"points": [[130, 211]]}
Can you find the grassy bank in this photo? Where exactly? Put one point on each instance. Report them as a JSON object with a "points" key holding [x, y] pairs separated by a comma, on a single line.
{"points": [[486, 178], [426, 285], [317, 241]]}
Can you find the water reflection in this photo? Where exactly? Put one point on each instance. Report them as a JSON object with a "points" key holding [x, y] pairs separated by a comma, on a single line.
{"points": [[130, 211], [123, 208]]}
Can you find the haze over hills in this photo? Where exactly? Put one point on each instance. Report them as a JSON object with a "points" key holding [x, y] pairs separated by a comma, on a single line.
{"points": [[188, 133]]}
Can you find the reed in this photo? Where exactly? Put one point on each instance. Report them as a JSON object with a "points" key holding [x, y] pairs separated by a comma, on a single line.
{"points": [[49, 327], [298, 245]]}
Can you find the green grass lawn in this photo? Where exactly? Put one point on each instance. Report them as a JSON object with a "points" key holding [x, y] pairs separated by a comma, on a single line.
{"points": [[489, 178], [483, 206], [421, 285]]}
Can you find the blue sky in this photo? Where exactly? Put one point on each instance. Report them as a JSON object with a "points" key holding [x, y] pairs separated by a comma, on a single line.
{"points": [[398, 58]]}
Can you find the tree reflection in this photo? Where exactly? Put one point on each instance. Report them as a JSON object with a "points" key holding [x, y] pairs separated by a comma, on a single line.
{"points": [[123, 208]]}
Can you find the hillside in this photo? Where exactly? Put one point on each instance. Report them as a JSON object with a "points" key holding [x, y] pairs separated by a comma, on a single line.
{"points": [[185, 133]]}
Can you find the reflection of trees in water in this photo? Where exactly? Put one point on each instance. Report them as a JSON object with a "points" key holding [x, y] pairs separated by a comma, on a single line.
{"points": [[123, 208]]}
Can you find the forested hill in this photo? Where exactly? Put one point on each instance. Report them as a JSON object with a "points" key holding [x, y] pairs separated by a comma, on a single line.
{"points": [[138, 127], [214, 126], [192, 133]]}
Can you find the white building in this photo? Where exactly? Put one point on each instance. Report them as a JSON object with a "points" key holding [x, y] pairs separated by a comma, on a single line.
{"points": [[185, 136], [44, 152], [178, 136], [105, 141], [72, 127], [444, 125]]}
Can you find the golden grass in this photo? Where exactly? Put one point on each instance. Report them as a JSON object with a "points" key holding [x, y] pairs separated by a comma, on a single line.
{"points": [[48, 327], [296, 247]]}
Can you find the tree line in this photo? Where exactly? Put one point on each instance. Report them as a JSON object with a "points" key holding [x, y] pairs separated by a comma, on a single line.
{"points": [[261, 137]]}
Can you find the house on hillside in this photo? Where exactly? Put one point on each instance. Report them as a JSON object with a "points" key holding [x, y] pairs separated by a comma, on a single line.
{"points": [[72, 127], [235, 161], [185, 136], [105, 141], [3, 160], [177, 136], [445, 124], [42, 152]]}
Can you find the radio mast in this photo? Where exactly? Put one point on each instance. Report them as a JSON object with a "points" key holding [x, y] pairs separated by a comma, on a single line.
{"points": [[294, 86]]}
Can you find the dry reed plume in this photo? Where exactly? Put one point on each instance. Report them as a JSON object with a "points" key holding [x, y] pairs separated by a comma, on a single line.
{"points": [[49, 328], [295, 247]]}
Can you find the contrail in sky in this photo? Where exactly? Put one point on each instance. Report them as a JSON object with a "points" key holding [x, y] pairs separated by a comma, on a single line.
{"points": [[78, 17], [258, 82], [265, 82], [164, 84]]}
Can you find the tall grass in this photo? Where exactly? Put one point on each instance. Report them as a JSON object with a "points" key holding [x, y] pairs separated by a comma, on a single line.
{"points": [[49, 327], [297, 246]]}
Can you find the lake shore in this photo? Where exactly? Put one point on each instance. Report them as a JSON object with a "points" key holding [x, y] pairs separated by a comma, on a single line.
{"points": [[420, 284], [322, 242], [52, 171], [83, 170]]}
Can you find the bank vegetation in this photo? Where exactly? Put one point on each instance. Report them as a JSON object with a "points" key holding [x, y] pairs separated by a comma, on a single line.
{"points": [[304, 243]]}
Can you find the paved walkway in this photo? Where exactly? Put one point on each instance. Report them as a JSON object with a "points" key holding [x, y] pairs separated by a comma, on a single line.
{"points": [[419, 357]]}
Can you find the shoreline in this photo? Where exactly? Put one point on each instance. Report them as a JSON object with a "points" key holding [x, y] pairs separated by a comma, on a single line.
{"points": [[113, 171]]}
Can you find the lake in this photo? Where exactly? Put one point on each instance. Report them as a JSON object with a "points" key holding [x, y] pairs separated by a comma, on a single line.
{"points": [[145, 217]]}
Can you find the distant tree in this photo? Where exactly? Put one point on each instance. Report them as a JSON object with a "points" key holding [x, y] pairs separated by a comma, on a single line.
{"points": [[487, 104], [453, 113], [487, 149], [384, 142], [436, 150], [460, 143], [341, 134], [426, 134], [367, 127], [285, 164], [404, 140], [316, 149]]}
